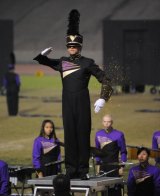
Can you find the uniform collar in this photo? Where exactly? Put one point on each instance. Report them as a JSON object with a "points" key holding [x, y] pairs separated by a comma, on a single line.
{"points": [[109, 130], [75, 57], [144, 165]]}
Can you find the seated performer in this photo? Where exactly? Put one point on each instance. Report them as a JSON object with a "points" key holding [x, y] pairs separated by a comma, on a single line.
{"points": [[61, 185], [144, 179], [111, 142], [4, 179], [156, 144], [75, 72], [46, 150]]}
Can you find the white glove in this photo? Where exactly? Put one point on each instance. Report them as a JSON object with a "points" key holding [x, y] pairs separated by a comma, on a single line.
{"points": [[46, 51], [98, 105]]}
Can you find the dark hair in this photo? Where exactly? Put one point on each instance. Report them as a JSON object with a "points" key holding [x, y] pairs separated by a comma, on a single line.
{"points": [[61, 184], [143, 149], [42, 133]]}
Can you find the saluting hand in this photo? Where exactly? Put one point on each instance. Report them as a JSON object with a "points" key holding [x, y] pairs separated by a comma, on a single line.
{"points": [[46, 51]]}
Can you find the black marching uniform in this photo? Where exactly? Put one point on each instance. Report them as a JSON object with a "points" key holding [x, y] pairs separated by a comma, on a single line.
{"points": [[75, 73]]}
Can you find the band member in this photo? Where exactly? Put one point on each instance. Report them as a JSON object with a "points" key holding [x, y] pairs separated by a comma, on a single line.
{"points": [[144, 179], [111, 142], [156, 144], [76, 71], [4, 179], [46, 150], [61, 184], [11, 82]]}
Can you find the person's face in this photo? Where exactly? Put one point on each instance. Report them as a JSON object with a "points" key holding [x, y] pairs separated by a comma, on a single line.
{"points": [[48, 128], [72, 50], [107, 122], [143, 157]]}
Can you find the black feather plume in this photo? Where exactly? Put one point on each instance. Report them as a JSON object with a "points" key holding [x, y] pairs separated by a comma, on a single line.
{"points": [[73, 26]]}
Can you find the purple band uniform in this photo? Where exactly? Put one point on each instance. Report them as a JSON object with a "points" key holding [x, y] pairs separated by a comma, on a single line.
{"points": [[114, 139], [4, 178], [156, 143], [144, 181], [111, 144], [46, 151]]}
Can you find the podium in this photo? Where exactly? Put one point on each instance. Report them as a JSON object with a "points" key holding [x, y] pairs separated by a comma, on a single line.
{"points": [[89, 187]]}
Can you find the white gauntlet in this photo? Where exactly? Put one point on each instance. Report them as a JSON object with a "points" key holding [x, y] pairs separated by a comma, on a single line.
{"points": [[46, 51], [98, 105]]}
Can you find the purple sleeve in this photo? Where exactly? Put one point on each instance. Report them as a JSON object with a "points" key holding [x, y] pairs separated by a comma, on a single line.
{"points": [[155, 146], [4, 179], [156, 179], [18, 80], [36, 154], [58, 143], [4, 82], [97, 146], [122, 146], [131, 184], [154, 142]]}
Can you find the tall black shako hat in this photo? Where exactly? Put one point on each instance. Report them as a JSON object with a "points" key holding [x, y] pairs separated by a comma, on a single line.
{"points": [[73, 37]]}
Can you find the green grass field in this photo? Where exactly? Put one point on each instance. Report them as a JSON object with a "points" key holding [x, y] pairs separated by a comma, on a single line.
{"points": [[17, 133]]}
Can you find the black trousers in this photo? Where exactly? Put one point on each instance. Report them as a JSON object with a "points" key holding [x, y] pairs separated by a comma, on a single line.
{"points": [[12, 103], [50, 170], [77, 128]]}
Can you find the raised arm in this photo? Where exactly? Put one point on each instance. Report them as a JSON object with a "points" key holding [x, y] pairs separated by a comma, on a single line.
{"points": [[44, 60]]}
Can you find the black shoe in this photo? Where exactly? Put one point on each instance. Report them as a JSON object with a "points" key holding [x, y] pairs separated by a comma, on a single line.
{"points": [[72, 175], [84, 177]]}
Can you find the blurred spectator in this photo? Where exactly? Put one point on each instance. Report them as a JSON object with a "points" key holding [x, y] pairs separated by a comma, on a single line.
{"points": [[11, 82]]}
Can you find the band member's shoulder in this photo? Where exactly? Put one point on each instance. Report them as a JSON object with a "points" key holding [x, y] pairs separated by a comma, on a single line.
{"points": [[156, 133], [38, 139], [101, 131], [154, 168], [3, 164], [118, 132]]}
